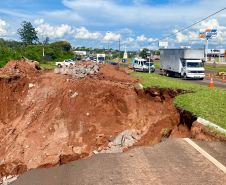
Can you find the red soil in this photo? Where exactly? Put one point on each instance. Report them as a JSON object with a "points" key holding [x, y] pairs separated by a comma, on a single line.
{"points": [[44, 126]]}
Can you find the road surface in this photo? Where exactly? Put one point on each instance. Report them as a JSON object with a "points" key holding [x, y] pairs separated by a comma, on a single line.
{"points": [[173, 161], [216, 82]]}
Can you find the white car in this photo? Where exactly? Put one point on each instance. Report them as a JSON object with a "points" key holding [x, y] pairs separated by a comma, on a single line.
{"points": [[66, 63]]}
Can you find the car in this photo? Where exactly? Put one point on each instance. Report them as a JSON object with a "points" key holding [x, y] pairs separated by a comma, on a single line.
{"points": [[114, 63], [78, 58]]}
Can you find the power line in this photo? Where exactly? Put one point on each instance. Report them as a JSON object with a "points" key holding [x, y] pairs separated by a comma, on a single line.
{"points": [[9, 18], [8, 21], [188, 26]]}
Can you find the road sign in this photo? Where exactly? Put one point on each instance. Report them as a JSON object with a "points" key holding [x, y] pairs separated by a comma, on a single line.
{"points": [[163, 44], [214, 64], [207, 33]]}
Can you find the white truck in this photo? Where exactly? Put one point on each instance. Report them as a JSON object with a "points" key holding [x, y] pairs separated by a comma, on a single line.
{"points": [[66, 62], [184, 62], [101, 58]]}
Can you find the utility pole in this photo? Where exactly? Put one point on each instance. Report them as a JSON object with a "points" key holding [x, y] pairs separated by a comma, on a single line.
{"points": [[119, 51], [219, 53], [43, 45], [108, 53], [206, 48]]}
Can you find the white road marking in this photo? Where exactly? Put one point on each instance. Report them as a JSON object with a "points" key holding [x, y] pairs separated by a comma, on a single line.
{"points": [[205, 154]]}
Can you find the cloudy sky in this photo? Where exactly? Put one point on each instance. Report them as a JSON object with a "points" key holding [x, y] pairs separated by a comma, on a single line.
{"points": [[99, 23]]}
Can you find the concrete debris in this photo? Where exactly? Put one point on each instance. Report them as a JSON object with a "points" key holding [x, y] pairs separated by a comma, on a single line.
{"points": [[7, 180], [119, 142], [31, 85], [74, 95], [77, 71], [116, 150]]}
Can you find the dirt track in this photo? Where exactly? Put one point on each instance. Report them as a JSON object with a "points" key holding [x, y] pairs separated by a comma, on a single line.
{"points": [[43, 126]]}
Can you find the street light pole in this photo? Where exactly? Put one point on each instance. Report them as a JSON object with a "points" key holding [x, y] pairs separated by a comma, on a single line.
{"points": [[43, 45], [119, 50]]}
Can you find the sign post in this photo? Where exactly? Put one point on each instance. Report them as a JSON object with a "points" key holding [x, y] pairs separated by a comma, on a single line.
{"points": [[207, 34], [214, 65]]}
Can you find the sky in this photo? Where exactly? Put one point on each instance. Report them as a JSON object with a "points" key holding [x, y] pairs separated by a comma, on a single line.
{"points": [[99, 23]]}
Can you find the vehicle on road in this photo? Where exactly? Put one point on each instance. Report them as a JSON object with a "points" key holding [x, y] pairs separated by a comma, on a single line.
{"points": [[114, 63], [66, 62], [183, 62], [143, 65], [101, 58]]}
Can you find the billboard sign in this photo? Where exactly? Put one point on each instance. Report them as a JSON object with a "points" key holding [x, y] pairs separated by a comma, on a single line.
{"points": [[207, 33], [163, 44]]}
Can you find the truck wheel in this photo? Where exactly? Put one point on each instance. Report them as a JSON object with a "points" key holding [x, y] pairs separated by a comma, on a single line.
{"points": [[59, 66], [153, 70], [201, 78], [167, 74]]}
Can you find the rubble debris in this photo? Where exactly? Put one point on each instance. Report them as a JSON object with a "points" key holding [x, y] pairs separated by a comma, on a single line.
{"points": [[78, 71], [74, 95]]}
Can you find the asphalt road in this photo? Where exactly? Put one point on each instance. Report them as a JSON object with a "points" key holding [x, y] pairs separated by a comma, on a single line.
{"points": [[216, 82], [173, 161]]}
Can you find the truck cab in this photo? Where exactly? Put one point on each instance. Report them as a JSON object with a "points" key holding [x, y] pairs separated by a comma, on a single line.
{"points": [[143, 65], [192, 69], [101, 58]]}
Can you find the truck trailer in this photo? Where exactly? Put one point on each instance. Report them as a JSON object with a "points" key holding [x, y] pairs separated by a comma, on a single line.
{"points": [[183, 62]]}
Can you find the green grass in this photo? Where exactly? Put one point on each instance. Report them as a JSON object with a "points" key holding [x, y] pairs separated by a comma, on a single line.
{"points": [[48, 66], [207, 103], [165, 131], [218, 68], [156, 64]]}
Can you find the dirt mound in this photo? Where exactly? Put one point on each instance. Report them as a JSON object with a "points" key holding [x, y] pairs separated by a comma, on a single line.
{"points": [[115, 73], [18, 68], [44, 125], [32, 63]]}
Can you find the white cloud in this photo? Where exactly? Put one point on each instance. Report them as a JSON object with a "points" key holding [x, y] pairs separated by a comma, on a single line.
{"points": [[110, 36], [39, 21], [128, 41], [83, 33], [55, 31], [141, 38], [3, 27]]}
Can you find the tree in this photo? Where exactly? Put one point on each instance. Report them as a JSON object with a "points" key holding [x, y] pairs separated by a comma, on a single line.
{"points": [[66, 46], [143, 52], [46, 41], [27, 33], [158, 52]]}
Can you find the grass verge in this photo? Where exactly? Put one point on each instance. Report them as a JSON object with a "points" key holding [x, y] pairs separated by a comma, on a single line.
{"points": [[48, 66], [207, 103], [218, 68]]}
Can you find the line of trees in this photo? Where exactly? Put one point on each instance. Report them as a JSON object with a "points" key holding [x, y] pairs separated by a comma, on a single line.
{"points": [[30, 47]]}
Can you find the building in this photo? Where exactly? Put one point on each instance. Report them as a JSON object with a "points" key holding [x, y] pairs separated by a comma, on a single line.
{"points": [[84, 53], [215, 52]]}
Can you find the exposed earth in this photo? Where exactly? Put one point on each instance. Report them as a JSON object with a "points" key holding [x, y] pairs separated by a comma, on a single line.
{"points": [[42, 125]]}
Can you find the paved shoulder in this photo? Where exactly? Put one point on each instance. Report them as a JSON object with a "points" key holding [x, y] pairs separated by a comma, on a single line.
{"points": [[173, 161]]}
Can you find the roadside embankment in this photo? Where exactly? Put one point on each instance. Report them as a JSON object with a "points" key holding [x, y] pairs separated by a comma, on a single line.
{"points": [[207, 103], [49, 119]]}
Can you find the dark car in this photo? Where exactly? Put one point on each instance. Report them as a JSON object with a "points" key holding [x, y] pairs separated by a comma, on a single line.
{"points": [[114, 63]]}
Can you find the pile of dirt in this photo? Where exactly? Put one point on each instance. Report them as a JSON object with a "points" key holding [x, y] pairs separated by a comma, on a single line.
{"points": [[32, 63], [18, 68], [115, 73], [43, 125]]}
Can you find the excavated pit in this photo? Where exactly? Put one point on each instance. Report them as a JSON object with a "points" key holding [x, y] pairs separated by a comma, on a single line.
{"points": [[43, 126]]}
